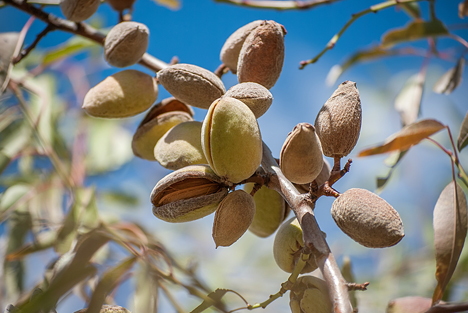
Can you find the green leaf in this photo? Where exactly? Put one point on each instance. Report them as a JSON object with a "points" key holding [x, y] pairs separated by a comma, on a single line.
{"points": [[451, 79], [45, 2], [108, 282], [415, 30], [12, 194], [120, 197], [412, 9], [13, 140], [406, 138], [171, 4], [450, 228], [43, 241], [69, 48], [8, 43], [214, 298], [463, 135], [146, 291], [408, 101], [392, 162]]}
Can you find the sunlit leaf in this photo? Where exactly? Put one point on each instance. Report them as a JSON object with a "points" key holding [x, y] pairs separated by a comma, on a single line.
{"points": [[12, 194], [412, 9], [146, 291], [463, 9], [171, 4], [408, 136], [69, 48], [8, 43], [212, 299], [43, 241], [45, 2], [392, 161], [370, 54], [347, 272], [463, 135], [120, 197], [450, 228], [415, 30], [451, 79], [410, 304], [408, 101], [107, 283]]}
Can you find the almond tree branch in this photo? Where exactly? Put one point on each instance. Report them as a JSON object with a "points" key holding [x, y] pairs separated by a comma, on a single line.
{"points": [[278, 5], [448, 307], [314, 242], [81, 29], [373, 9], [27, 50]]}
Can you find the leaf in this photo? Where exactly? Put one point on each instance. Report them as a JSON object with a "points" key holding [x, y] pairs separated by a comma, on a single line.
{"points": [[120, 197], [13, 143], [372, 53], [44, 240], [12, 194], [107, 283], [463, 9], [412, 9], [415, 30], [171, 4], [146, 291], [406, 138], [69, 48], [463, 135], [392, 162], [450, 228], [408, 101], [451, 79], [214, 298], [8, 43]]}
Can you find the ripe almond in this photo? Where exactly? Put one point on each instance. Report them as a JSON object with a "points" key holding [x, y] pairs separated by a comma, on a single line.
{"points": [[254, 95], [79, 10]]}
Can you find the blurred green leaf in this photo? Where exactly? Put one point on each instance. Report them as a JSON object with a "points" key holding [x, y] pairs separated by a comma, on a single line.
{"points": [[8, 116], [450, 228], [109, 145], [43, 241], [108, 282], [45, 2], [412, 9], [12, 194], [414, 31], [120, 197], [463, 135], [8, 43], [451, 79], [12, 142], [392, 162], [408, 101], [171, 4], [146, 291], [72, 46], [213, 299]]}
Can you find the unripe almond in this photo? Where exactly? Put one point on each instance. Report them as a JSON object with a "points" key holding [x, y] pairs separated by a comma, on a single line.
{"points": [[367, 219], [322, 177], [123, 94], [254, 95], [310, 295], [301, 158], [230, 51], [126, 43], [288, 246], [192, 84], [79, 10], [188, 194], [262, 55], [233, 217], [180, 146], [231, 140], [338, 123], [270, 210]]}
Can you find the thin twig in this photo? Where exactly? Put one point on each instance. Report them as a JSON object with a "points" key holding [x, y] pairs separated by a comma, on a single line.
{"points": [[355, 286], [448, 307], [278, 5], [27, 50], [373, 9]]}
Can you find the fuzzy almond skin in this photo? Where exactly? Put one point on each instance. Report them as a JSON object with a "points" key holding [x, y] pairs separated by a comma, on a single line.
{"points": [[181, 146], [255, 96], [338, 123], [262, 55], [192, 84], [233, 217], [79, 10], [126, 43], [301, 158], [367, 219], [230, 51], [231, 140], [123, 94], [288, 245], [270, 210]]}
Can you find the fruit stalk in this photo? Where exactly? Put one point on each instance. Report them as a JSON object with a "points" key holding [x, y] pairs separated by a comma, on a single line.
{"points": [[314, 241]]}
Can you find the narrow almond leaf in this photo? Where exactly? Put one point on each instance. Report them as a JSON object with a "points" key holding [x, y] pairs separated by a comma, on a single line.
{"points": [[463, 9], [412, 9], [406, 138], [8, 43], [107, 283], [213, 298], [463, 135], [69, 48], [415, 30], [451, 79], [408, 101], [392, 162], [450, 228], [171, 4]]}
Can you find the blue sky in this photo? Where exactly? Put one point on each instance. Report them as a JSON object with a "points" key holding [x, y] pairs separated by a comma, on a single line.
{"points": [[195, 34]]}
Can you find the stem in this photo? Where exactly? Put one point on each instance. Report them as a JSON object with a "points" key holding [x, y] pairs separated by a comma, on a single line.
{"points": [[448, 307], [459, 39], [278, 5], [373, 9], [26, 51], [81, 29], [314, 241]]}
